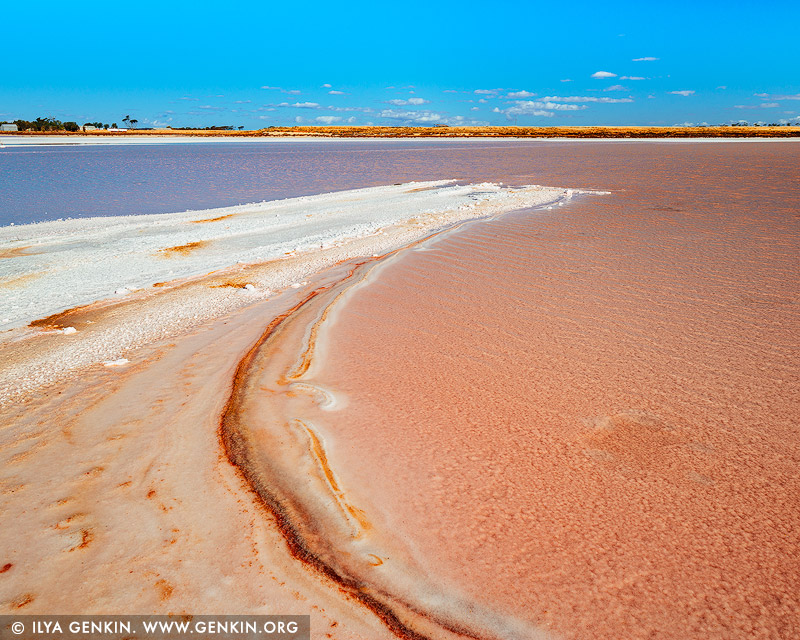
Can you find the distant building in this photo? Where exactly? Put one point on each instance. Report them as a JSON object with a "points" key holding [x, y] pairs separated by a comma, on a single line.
{"points": [[89, 127], [8, 127]]}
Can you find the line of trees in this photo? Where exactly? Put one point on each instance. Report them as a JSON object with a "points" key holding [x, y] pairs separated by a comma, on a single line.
{"points": [[44, 124], [52, 124]]}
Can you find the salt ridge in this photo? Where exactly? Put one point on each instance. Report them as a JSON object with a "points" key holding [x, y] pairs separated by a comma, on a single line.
{"points": [[208, 264]]}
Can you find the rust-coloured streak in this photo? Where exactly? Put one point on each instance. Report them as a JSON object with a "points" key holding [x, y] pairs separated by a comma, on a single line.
{"points": [[319, 453], [6, 567], [15, 252], [23, 600], [305, 359], [60, 319], [235, 447], [182, 249], [233, 284], [236, 452], [230, 215]]}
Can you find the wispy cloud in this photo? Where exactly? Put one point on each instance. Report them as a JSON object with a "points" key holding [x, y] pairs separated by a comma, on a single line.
{"points": [[526, 106], [632, 78], [533, 112], [293, 92], [763, 105], [520, 94], [333, 92], [603, 74], [567, 80], [615, 87], [776, 96], [603, 100], [306, 105], [410, 101], [328, 119], [326, 86], [487, 92], [684, 92], [427, 117], [645, 59], [419, 117]]}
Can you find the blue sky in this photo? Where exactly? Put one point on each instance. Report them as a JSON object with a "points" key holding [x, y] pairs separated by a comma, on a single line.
{"points": [[257, 64]]}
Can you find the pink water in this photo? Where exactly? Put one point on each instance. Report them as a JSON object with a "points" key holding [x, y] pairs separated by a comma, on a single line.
{"points": [[587, 418]]}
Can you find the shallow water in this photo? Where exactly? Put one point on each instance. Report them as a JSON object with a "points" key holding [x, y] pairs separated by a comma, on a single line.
{"points": [[586, 418], [50, 182]]}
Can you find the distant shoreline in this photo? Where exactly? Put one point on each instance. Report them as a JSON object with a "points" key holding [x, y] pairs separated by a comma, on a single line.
{"points": [[603, 133]]}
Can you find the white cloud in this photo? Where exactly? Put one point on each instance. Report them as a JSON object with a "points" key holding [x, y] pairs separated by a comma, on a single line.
{"points": [[615, 87], [419, 117], [765, 105], [290, 91], [427, 117], [405, 103], [336, 93], [586, 99], [304, 105], [517, 111], [487, 92], [475, 109], [684, 92], [326, 86], [603, 74], [632, 78], [645, 59], [525, 106], [449, 91], [328, 119], [773, 96], [722, 86], [566, 80], [520, 94]]}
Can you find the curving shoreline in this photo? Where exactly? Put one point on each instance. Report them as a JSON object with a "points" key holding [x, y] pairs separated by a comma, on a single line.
{"points": [[277, 450]]}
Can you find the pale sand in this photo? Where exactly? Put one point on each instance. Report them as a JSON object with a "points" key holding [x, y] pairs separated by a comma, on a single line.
{"points": [[116, 497]]}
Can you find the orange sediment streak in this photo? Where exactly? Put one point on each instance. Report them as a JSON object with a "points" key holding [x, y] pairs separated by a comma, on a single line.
{"points": [[300, 530], [236, 449]]}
